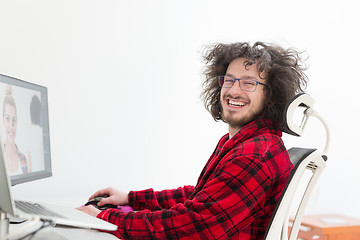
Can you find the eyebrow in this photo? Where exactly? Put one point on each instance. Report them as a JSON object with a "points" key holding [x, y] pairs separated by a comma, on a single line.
{"points": [[245, 77]]}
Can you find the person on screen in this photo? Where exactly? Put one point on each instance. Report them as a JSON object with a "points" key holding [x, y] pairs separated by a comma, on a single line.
{"points": [[35, 110], [247, 87], [36, 132], [15, 160]]}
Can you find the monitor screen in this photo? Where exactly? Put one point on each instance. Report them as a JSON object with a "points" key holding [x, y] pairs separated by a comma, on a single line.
{"points": [[24, 130]]}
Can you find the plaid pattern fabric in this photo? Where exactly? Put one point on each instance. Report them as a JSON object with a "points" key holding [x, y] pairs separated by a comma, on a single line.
{"points": [[234, 197], [23, 162]]}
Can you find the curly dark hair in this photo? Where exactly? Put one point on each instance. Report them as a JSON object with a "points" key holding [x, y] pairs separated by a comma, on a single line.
{"points": [[283, 68]]}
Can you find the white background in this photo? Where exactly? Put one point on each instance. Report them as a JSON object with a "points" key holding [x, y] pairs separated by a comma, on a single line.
{"points": [[124, 79]]}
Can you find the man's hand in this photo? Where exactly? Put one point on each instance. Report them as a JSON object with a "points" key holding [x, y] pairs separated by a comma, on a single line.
{"points": [[112, 196], [90, 209]]}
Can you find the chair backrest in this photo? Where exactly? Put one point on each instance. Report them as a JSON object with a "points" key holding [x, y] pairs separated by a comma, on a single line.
{"points": [[303, 159]]}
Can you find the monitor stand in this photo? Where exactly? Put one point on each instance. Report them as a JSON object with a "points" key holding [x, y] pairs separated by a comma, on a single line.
{"points": [[4, 224], [15, 220]]}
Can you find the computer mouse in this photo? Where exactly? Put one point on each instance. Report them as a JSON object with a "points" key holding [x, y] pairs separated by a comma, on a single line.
{"points": [[94, 201]]}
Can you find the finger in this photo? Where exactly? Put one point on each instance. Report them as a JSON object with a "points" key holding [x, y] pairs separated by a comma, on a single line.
{"points": [[108, 200], [101, 192]]}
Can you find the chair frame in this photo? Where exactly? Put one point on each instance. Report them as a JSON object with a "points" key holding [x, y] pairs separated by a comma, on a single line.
{"points": [[303, 159]]}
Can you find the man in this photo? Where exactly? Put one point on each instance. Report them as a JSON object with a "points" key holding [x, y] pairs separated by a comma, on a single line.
{"points": [[247, 87]]}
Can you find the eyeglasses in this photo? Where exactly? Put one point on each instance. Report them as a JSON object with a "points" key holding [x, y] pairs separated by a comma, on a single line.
{"points": [[247, 85]]}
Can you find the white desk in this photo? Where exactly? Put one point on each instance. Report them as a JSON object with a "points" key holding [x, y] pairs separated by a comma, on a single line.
{"points": [[68, 233]]}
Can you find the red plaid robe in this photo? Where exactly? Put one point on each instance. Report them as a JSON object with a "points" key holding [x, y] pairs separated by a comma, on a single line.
{"points": [[234, 198]]}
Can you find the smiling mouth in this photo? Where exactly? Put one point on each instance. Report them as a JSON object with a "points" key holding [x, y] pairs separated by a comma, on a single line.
{"points": [[235, 103], [11, 133]]}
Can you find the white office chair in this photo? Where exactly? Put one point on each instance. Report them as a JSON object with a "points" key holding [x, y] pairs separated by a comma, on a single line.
{"points": [[303, 159]]}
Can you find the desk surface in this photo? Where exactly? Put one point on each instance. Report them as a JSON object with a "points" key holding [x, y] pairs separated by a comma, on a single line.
{"points": [[68, 233], [333, 223], [330, 227]]}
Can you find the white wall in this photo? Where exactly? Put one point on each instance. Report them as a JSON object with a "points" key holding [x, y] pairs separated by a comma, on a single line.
{"points": [[124, 79]]}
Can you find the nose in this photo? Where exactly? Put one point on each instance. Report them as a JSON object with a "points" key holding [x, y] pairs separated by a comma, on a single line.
{"points": [[235, 88]]}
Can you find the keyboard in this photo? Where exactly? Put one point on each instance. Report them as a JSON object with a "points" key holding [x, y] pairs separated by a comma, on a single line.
{"points": [[35, 208]]}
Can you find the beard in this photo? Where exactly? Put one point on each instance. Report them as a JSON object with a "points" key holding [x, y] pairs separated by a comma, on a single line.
{"points": [[238, 120]]}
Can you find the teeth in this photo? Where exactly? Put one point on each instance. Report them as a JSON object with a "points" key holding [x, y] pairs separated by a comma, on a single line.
{"points": [[234, 103]]}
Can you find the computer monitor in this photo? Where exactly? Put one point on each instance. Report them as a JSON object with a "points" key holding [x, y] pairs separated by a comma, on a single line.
{"points": [[24, 130]]}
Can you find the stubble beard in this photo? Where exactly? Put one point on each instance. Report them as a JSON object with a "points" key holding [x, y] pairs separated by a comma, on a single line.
{"points": [[237, 121]]}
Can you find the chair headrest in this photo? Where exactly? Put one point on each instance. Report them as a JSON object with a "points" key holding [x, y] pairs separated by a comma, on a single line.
{"points": [[300, 100]]}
